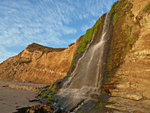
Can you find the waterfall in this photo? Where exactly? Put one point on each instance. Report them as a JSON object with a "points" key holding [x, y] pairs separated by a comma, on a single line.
{"points": [[86, 79]]}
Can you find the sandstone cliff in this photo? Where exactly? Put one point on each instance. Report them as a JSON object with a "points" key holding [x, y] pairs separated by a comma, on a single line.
{"points": [[127, 70], [129, 62], [127, 74], [38, 64]]}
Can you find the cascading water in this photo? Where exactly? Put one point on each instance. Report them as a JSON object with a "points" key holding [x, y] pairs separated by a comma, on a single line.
{"points": [[86, 79]]}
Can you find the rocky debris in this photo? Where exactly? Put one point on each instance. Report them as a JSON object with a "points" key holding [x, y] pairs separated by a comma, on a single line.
{"points": [[128, 87], [40, 109], [22, 86], [28, 88]]}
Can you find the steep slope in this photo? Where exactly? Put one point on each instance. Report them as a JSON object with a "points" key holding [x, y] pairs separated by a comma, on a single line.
{"points": [[126, 75], [73, 92], [129, 77], [124, 68], [38, 64]]}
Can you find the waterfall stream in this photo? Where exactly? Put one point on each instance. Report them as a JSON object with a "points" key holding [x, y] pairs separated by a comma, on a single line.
{"points": [[86, 79]]}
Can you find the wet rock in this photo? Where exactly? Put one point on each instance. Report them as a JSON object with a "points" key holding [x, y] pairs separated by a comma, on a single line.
{"points": [[40, 109], [87, 106]]}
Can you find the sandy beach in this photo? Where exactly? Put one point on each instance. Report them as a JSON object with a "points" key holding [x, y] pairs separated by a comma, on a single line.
{"points": [[18, 96]]}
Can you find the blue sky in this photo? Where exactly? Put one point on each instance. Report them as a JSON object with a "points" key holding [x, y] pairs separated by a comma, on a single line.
{"points": [[53, 23]]}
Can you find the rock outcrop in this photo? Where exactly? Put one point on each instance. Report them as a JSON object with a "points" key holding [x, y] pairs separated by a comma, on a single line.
{"points": [[127, 70], [129, 82], [38, 64]]}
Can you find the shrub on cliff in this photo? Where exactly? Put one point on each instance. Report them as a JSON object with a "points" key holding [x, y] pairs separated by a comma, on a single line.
{"points": [[147, 7]]}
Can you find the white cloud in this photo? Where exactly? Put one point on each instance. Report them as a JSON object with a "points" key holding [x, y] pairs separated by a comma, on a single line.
{"points": [[67, 30], [86, 27], [48, 22], [5, 54]]}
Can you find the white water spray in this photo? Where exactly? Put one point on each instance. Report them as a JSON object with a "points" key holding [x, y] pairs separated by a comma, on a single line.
{"points": [[86, 79]]}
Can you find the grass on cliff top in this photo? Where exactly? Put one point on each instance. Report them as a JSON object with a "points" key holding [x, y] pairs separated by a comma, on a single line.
{"points": [[123, 38], [147, 7], [85, 40], [118, 5], [115, 10], [115, 18], [88, 37]]}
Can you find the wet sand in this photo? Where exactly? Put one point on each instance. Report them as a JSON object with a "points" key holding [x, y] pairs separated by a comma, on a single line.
{"points": [[12, 98]]}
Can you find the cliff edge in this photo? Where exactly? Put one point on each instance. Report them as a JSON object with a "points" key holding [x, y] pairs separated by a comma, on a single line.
{"points": [[38, 64]]}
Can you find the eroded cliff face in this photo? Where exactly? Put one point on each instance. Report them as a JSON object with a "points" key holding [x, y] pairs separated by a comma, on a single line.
{"points": [[38, 64], [129, 77], [126, 76], [127, 69]]}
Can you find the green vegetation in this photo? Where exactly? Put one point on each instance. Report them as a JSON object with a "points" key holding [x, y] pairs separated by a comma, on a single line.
{"points": [[49, 93], [115, 7], [88, 36], [44, 93], [22, 61], [115, 18], [118, 6], [124, 4], [53, 88], [73, 64], [98, 106], [131, 15], [109, 72], [147, 7], [123, 38], [106, 78], [86, 39], [121, 43], [80, 112]]}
